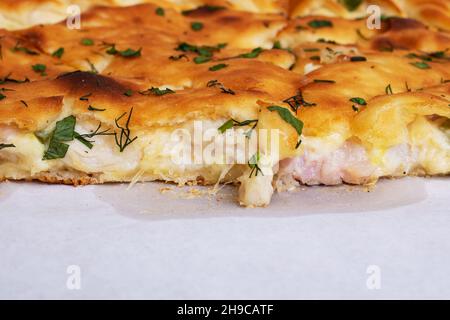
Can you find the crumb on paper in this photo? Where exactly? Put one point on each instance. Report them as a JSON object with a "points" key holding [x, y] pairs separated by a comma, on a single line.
{"points": [[165, 190]]}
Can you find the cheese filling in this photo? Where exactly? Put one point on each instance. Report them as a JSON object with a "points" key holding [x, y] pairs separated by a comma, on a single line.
{"points": [[329, 160], [157, 154]]}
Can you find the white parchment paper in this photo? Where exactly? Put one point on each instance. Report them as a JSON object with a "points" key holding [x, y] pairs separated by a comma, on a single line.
{"points": [[146, 244]]}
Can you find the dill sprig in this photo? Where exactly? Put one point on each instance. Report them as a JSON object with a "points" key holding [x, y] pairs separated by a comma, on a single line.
{"points": [[297, 101], [83, 138], [253, 163], [123, 139]]}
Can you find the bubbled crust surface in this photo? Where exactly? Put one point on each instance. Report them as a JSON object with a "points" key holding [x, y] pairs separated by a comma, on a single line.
{"points": [[264, 78], [435, 13], [140, 27], [24, 13]]}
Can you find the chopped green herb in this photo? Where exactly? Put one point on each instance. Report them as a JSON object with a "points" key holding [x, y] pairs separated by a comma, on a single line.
{"points": [[160, 12], [253, 163], [315, 58], [128, 53], [156, 91], [6, 145], [123, 140], [91, 108], [205, 53], [112, 50], [83, 138], [87, 42], [418, 56], [298, 101], [388, 90], [321, 40], [86, 97], [218, 67], [428, 56], [63, 132], [226, 126], [92, 66], [196, 26], [358, 59], [216, 83], [128, 93], [351, 5], [316, 24], [253, 54], [234, 123], [58, 53], [39, 68], [201, 50], [19, 48], [186, 47], [439, 55], [287, 116], [2, 96], [202, 59], [324, 81], [421, 65], [359, 101], [277, 45], [56, 150]]}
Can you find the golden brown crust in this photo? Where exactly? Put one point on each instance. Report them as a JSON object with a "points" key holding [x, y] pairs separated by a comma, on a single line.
{"points": [[25, 13], [67, 178], [395, 33], [381, 73], [435, 13], [140, 27], [403, 64]]}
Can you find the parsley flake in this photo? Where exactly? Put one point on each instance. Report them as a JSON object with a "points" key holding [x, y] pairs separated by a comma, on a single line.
{"points": [[160, 12], [157, 91], [58, 53], [87, 42], [196, 26], [218, 67], [40, 68], [421, 65], [359, 101], [287, 116], [317, 24], [253, 54]]}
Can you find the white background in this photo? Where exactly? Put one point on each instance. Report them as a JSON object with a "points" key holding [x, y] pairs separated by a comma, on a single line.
{"points": [[140, 243]]}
